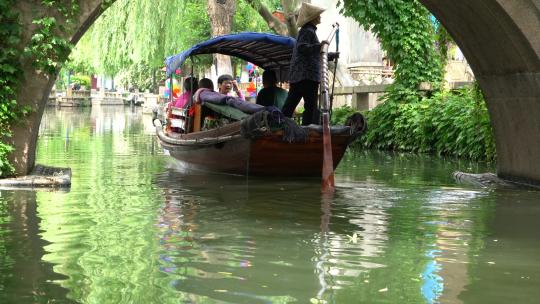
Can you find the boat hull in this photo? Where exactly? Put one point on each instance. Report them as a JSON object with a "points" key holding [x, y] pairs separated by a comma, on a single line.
{"points": [[230, 156], [272, 156], [265, 156]]}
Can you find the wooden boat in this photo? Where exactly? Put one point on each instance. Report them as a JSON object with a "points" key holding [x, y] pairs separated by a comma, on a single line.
{"points": [[228, 149]]}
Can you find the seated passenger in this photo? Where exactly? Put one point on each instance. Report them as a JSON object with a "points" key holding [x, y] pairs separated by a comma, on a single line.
{"points": [[271, 94], [190, 86], [206, 94], [206, 83], [205, 86], [226, 84]]}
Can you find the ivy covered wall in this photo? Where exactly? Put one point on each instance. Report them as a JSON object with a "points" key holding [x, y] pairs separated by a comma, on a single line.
{"points": [[36, 39], [10, 70]]}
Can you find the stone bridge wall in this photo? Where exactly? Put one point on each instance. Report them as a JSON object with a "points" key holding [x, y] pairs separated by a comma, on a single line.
{"points": [[501, 41]]}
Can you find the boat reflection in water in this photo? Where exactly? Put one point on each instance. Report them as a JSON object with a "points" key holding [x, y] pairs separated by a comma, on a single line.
{"points": [[259, 240], [222, 237]]}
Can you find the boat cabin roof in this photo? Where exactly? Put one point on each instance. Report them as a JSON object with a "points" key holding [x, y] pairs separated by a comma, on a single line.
{"points": [[265, 50]]}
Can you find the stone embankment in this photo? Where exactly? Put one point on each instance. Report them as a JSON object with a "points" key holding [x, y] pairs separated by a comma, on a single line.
{"points": [[489, 180], [40, 177]]}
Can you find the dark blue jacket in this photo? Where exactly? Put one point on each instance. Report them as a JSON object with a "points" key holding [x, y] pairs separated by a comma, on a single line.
{"points": [[306, 57]]}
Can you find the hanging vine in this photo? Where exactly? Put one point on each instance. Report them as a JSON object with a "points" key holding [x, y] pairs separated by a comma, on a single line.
{"points": [[449, 123], [10, 72], [47, 48], [406, 33]]}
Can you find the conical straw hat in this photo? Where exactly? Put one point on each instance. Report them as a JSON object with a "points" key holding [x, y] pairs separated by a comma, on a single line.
{"points": [[307, 13]]}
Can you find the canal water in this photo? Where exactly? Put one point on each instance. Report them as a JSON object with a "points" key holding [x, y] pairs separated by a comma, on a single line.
{"points": [[135, 228]]}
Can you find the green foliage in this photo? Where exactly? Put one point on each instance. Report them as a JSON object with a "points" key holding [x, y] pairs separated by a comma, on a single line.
{"points": [[134, 37], [83, 80], [137, 32], [444, 41], [6, 168], [247, 19], [448, 123], [80, 60], [407, 35], [47, 48], [140, 76], [67, 8], [10, 72], [340, 115]]}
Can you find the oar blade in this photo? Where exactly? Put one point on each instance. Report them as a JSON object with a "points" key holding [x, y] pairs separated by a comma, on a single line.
{"points": [[328, 161]]}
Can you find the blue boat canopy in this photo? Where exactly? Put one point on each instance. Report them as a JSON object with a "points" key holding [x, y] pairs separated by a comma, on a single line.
{"points": [[267, 51]]}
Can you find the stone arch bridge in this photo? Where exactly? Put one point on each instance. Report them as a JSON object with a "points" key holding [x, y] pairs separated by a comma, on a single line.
{"points": [[500, 39]]}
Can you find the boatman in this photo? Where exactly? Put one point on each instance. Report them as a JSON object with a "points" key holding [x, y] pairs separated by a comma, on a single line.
{"points": [[305, 68]]}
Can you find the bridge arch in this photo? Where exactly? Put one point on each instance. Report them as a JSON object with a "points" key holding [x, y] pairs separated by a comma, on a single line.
{"points": [[499, 38], [501, 41]]}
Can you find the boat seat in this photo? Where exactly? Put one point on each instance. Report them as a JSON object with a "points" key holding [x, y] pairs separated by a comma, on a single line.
{"points": [[227, 111], [178, 119]]}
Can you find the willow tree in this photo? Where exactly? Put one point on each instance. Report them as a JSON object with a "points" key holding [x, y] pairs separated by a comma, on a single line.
{"points": [[135, 32], [133, 37]]}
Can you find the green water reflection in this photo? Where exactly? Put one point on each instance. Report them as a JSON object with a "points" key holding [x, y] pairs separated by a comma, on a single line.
{"points": [[134, 228]]}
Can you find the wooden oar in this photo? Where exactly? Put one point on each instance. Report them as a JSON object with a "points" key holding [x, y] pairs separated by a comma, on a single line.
{"points": [[324, 100]]}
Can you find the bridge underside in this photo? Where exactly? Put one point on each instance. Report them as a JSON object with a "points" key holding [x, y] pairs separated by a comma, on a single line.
{"points": [[500, 39]]}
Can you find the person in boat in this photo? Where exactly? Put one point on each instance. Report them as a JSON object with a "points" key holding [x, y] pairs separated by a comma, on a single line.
{"points": [[206, 83], [305, 67], [271, 94], [190, 87], [206, 94], [205, 91], [226, 85]]}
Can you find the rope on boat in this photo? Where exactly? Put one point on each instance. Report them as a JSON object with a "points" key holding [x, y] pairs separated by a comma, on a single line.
{"points": [[265, 122], [190, 142]]}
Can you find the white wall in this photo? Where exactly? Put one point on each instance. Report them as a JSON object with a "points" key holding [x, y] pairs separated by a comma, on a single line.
{"points": [[357, 46]]}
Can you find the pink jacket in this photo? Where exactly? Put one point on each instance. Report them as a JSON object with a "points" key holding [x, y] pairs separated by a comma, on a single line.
{"points": [[182, 100]]}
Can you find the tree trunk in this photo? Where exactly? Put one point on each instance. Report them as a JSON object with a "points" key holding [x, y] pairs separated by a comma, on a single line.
{"points": [[33, 93], [290, 9], [274, 23], [154, 82], [221, 13]]}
